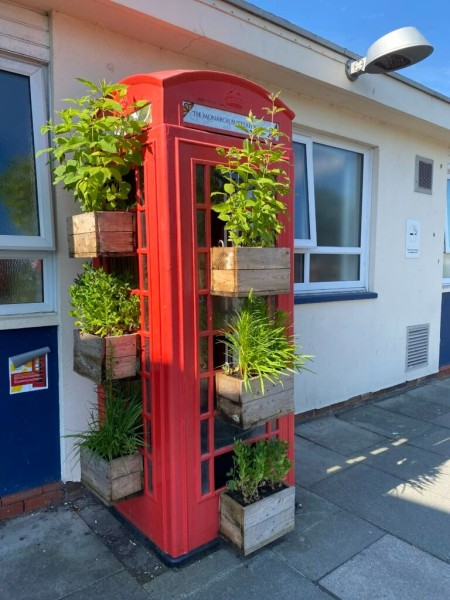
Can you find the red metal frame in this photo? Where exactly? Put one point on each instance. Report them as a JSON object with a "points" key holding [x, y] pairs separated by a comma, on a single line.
{"points": [[178, 510]]}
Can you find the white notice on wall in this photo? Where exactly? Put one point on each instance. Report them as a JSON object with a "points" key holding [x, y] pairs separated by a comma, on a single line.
{"points": [[412, 249]]}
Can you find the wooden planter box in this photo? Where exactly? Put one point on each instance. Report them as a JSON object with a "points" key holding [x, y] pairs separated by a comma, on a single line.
{"points": [[103, 233], [112, 481], [252, 408], [252, 527], [93, 356], [237, 271]]}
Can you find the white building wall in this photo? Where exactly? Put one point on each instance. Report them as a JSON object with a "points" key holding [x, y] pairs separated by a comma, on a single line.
{"points": [[359, 346]]}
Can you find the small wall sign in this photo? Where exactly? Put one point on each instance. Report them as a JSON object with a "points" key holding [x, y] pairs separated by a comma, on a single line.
{"points": [[412, 247], [30, 376]]}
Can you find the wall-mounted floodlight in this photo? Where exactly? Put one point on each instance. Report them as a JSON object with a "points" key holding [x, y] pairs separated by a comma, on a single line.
{"points": [[396, 50]]}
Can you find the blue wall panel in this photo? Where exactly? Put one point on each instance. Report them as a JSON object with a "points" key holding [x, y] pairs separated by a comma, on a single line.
{"points": [[29, 421]]}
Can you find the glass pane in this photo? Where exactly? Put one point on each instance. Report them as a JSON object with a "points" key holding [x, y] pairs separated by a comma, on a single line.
{"points": [[201, 271], [301, 221], [205, 477], [222, 464], [204, 436], [18, 194], [202, 313], [225, 433], [204, 404], [143, 230], [203, 353], [200, 184], [338, 196], [446, 272], [201, 229], [148, 397], [148, 436], [146, 314], [21, 281], [149, 475], [299, 268], [334, 267], [146, 365], [222, 309]]}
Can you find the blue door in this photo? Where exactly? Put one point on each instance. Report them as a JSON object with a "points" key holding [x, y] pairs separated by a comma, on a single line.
{"points": [[29, 420], [444, 354]]}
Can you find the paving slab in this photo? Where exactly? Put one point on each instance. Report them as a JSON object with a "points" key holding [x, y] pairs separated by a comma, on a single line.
{"points": [[338, 435], [311, 509], [313, 550], [385, 422], [178, 583], [438, 392], [265, 577], [417, 516], [48, 555], [443, 420], [121, 586], [437, 441], [417, 406], [422, 469], [314, 462], [393, 570]]}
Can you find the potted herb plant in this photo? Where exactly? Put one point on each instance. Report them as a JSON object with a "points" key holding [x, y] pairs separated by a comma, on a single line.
{"points": [[111, 464], [258, 506], [96, 146], [256, 383], [107, 317], [255, 182]]}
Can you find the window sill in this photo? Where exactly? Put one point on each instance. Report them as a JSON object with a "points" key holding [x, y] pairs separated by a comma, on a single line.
{"points": [[333, 297]]}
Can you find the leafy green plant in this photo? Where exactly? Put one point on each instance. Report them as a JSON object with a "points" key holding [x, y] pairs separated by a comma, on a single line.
{"points": [[116, 429], [103, 303], [96, 144], [259, 344], [257, 466], [255, 180]]}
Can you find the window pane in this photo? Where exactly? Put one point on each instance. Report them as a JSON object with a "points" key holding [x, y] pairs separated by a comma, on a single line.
{"points": [[446, 272], [299, 268], [338, 196], [21, 281], [301, 221], [334, 267], [18, 195]]}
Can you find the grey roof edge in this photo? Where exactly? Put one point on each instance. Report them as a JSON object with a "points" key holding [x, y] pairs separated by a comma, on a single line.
{"points": [[280, 22]]}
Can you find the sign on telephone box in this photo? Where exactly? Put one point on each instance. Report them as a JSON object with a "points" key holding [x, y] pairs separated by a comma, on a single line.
{"points": [[412, 248]]}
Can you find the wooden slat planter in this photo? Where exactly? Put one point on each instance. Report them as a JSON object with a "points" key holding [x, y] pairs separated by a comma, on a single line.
{"points": [[237, 271], [112, 481], [102, 233], [252, 408], [252, 527], [94, 356]]}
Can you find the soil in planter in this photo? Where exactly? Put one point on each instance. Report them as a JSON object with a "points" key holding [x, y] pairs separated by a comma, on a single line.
{"points": [[264, 492]]}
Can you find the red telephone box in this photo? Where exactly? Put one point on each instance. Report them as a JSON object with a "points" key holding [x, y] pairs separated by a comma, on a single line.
{"points": [[188, 447]]}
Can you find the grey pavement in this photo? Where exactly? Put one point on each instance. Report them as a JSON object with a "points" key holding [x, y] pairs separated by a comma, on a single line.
{"points": [[372, 522]]}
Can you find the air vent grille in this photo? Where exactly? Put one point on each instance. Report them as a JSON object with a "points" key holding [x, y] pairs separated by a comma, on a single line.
{"points": [[424, 175], [417, 344]]}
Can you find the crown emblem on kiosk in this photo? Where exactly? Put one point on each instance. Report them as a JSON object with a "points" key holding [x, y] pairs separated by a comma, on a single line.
{"points": [[233, 98]]}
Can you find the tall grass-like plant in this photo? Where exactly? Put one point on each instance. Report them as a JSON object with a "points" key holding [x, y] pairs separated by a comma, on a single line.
{"points": [[96, 144], [259, 344], [255, 182], [264, 464], [116, 429], [103, 303]]}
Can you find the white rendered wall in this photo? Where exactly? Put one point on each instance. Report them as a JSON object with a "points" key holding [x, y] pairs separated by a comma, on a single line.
{"points": [[359, 346]]}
